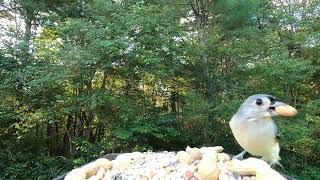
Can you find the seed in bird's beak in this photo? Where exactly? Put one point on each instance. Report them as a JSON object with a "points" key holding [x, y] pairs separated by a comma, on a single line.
{"points": [[285, 110]]}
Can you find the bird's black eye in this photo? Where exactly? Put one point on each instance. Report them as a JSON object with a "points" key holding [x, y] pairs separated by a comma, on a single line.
{"points": [[259, 102]]}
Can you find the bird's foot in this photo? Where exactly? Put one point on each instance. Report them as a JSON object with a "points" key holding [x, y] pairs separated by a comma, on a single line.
{"points": [[239, 156], [273, 164]]}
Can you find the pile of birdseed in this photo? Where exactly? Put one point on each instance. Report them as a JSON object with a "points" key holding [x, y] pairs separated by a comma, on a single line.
{"points": [[192, 164]]}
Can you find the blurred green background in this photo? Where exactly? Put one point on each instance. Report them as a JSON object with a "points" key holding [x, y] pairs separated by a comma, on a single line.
{"points": [[83, 78]]}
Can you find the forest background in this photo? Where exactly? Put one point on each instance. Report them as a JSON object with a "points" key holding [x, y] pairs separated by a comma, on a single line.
{"points": [[83, 78]]}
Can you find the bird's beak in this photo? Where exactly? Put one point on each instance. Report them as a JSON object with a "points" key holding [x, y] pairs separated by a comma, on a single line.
{"points": [[282, 109]]}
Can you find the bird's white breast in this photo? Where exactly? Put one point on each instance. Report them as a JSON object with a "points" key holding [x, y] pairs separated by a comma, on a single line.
{"points": [[256, 137]]}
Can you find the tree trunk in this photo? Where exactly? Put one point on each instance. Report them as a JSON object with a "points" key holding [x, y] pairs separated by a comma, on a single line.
{"points": [[28, 24], [57, 146], [201, 16], [49, 139], [66, 146], [80, 124], [27, 38], [75, 125], [89, 132], [173, 101]]}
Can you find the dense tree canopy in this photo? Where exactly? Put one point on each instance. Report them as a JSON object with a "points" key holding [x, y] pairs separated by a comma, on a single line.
{"points": [[82, 78]]}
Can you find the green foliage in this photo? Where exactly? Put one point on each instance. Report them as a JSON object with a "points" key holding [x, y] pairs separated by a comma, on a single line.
{"points": [[100, 76], [29, 166]]}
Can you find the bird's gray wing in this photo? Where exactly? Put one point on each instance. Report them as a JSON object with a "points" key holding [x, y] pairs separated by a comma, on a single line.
{"points": [[278, 134]]}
